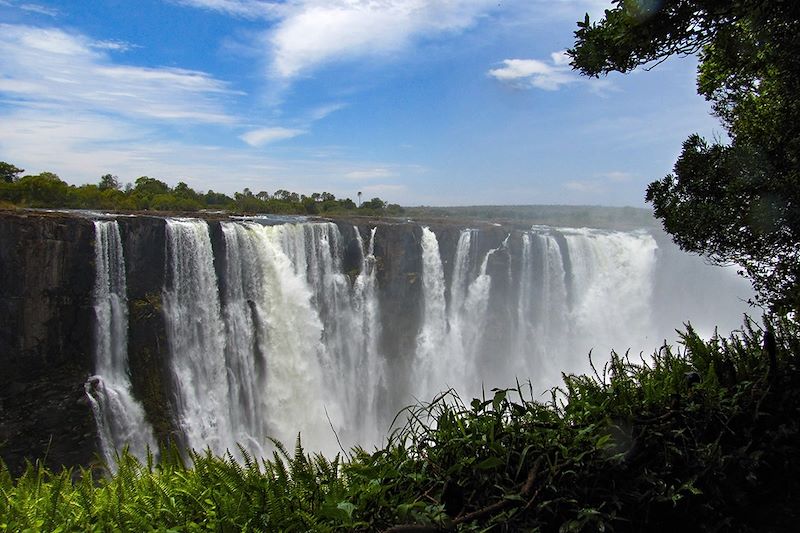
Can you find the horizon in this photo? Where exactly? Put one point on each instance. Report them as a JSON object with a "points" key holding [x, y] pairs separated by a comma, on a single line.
{"points": [[453, 103]]}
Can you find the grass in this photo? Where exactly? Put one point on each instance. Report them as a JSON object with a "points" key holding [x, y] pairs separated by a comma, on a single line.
{"points": [[704, 436]]}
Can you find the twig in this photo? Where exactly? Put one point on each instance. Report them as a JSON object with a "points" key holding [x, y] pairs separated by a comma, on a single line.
{"points": [[334, 432]]}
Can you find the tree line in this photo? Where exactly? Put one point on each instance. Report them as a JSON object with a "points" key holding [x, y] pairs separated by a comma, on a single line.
{"points": [[150, 194]]}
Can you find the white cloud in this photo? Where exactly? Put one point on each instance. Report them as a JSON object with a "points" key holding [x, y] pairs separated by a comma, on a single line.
{"points": [[527, 73], [323, 111], [115, 46], [241, 8], [368, 174], [31, 8], [42, 65], [311, 33], [600, 184], [262, 136]]}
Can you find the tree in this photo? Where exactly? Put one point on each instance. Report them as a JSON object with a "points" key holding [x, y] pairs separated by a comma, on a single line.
{"points": [[108, 181], [43, 190], [736, 202], [146, 185], [185, 192], [9, 173], [375, 203]]}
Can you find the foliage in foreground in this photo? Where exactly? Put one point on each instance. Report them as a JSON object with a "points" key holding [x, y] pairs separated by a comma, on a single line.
{"points": [[704, 437]]}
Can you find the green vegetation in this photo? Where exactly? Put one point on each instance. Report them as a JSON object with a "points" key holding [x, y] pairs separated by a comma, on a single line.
{"points": [[736, 202], [706, 437], [149, 194]]}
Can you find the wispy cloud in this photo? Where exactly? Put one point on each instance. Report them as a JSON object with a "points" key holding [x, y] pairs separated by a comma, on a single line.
{"points": [[528, 73], [253, 9], [310, 33], [31, 8], [262, 136], [586, 186], [114, 46], [323, 111], [49, 65], [368, 174]]}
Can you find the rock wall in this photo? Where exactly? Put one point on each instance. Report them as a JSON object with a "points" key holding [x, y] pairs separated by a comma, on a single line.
{"points": [[47, 275], [46, 280]]}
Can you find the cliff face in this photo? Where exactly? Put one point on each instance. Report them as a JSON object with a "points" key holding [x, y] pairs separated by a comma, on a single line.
{"points": [[46, 280], [47, 275]]}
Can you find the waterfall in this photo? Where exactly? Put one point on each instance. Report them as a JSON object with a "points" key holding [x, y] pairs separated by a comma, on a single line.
{"points": [[119, 417], [431, 357], [449, 343], [196, 338], [287, 343], [576, 290], [371, 367], [275, 330], [612, 287], [280, 387]]}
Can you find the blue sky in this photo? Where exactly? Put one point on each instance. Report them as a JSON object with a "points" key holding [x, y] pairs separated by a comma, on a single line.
{"points": [[420, 102]]}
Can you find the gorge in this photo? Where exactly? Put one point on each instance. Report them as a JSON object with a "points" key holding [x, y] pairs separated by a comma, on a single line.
{"points": [[222, 332]]}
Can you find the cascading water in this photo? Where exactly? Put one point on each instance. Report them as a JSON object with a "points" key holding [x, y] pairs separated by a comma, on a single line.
{"points": [[593, 291], [278, 347], [290, 337], [431, 358], [278, 386], [119, 417], [451, 335], [612, 286], [371, 368], [196, 338]]}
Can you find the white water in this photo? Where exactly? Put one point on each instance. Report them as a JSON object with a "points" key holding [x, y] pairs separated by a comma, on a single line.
{"points": [[119, 417], [280, 346], [196, 337], [288, 339], [591, 292], [449, 343]]}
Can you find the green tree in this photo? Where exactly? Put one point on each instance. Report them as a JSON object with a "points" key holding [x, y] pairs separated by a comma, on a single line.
{"points": [[185, 192], [735, 202], [43, 190], [9, 173], [375, 203], [217, 199], [108, 181], [150, 186]]}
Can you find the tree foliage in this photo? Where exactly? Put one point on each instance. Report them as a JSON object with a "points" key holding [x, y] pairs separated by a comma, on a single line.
{"points": [[736, 202], [146, 193], [8, 172]]}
